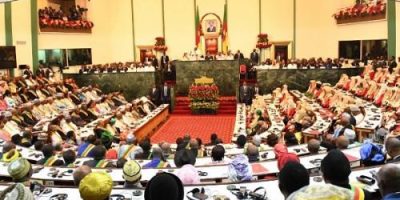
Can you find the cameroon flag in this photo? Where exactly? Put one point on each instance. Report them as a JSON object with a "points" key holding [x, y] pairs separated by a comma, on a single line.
{"points": [[225, 40]]}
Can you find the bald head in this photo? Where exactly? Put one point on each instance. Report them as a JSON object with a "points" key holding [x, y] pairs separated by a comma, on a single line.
{"points": [[186, 137], [257, 140], [80, 173], [165, 147], [157, 152], [8, 146], [194, 144], [342, 142], [252, 150], [345, 118], [393, 147], [313, 146], [389, 179]]}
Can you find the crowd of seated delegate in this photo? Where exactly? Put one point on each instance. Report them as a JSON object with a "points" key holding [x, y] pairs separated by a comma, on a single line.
{"points": [[345, 108], [344, 101], [35, 110], [185, 155], [328, 63], [116, 67], [335, 168]]}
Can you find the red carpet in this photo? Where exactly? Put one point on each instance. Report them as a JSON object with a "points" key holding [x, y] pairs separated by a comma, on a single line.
{"points": [[197, 126]]}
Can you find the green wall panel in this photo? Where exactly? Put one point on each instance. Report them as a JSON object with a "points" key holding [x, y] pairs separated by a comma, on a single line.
{"points": [[298, 79], [133, 84]]}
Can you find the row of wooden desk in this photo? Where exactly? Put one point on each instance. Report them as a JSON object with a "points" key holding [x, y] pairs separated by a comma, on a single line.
{"points": [[147, 129], [214, 190], [215, 173]]}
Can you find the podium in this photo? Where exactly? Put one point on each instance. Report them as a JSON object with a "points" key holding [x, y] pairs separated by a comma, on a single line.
{"points": [[224, 72]]}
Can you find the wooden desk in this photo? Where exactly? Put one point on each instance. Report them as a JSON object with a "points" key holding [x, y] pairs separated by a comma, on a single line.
{"points": [[148, 129], [363, 133]]}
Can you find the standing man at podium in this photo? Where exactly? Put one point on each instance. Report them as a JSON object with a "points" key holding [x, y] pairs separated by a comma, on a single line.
{"points": [[165, 94], [238, 55], [245, 94], [254, 57]]}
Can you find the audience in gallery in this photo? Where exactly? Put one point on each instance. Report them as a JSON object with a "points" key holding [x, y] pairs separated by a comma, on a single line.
{"points": [[74, 17], [60, 138]]}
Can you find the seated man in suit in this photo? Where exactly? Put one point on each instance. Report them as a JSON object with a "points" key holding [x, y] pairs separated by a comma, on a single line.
{"points": [[86, 148], [99, 153], [50, 159], [393, 149]]}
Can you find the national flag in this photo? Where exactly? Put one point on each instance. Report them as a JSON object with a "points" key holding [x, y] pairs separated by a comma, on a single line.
{"points": [[225, 38]]}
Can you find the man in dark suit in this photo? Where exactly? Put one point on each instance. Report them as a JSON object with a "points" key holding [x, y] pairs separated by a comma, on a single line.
{"points": [[393, 149], [50, 159], [99, 161], [245, 94], [238, 56], [155, 95], [254, 57], [154, 62], [392, 64], [165, 94], [209, 57], [211, 27], [164, 61]]}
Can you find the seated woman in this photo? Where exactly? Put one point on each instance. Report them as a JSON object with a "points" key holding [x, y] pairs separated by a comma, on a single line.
{"points": [[378, 75], [301, 112], [372, 91], [385, 75], [289, 109], [277, 93], [378, 100], [325, 90], [92, 109], [55, 135], [395, 100], [256, 117], [285, 92], [311, 87], [317, 90], [329, 96], [344, 79], [354, 83], [388, 95], [368, 72], [362, 88]]}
